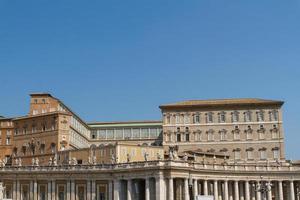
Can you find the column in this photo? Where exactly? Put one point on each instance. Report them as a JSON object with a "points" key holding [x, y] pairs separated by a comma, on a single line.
{"points": [[230, 191], [171, 189], [129, 189], [48, 190], [88, 190], [35, 190], [216, 196], [269, 191], [116, 189], [236, 190], [225, 190], [195, 188], [258, 194], [147, 189], [93, 190], [68, 190], [186, 189], [205, 188], [72, 194], [110, 190], [14, 190], [241, 192], [31, 190], [292, 191], [247, 192], [159, 188], [53, 190]]}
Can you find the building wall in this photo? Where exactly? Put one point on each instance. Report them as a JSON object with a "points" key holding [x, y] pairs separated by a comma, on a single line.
{"points": [[6, 139], [181, 127]]}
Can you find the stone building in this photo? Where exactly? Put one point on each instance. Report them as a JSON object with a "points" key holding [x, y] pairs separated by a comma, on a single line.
{"points": [[231, 149]]}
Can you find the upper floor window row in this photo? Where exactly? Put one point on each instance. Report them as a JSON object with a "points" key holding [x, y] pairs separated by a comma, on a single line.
{"points": [[221, 117]]}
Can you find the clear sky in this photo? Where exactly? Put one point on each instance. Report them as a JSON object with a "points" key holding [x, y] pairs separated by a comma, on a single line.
{"points": [[119, 60]]}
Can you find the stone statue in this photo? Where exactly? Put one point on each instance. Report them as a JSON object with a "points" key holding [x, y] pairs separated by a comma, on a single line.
{"points": [[113, 159], [20, 161], [158, 156], [74, 161], [146, 156], [89, 160], [94, 160], [37, 162], [195, 157], [185, 157], [175, 154], [54, 161], [171, 156], [33, 162], [128, 157], [17, 162], [50, 161]]}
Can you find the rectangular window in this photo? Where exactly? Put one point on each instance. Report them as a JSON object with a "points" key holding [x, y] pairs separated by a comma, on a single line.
{"points": [[223, 135], [236, 135], [110, 133], [119, 133], [101, 134], [136, 133], [237, 155], [209, 117], [168, 119], [276, 154], [178, 137], [249, 136], [145, 133], [197, 119], [153, 132], [222, 117], [247, 116], [263, 154], [250, 155], [187, 137], [210, 136], [186, 119], [7, 140], [261, 135], [177, 119]]}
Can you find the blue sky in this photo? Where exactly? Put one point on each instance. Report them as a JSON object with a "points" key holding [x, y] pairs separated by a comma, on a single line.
{"points": [[119, 60]]}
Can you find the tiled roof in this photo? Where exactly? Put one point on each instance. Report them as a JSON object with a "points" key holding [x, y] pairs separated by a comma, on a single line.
{"points": [[222, 102]]}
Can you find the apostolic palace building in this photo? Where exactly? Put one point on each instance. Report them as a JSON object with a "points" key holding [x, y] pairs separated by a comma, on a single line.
{"points": [[227, 149]]}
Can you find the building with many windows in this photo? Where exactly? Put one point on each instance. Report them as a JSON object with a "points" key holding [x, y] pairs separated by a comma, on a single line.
{"points": [[230, 149]]}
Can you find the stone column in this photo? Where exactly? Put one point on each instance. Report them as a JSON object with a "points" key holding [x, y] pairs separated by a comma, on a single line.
{"points": [[269, 191], [129, 189], [88, 190], [186, 189], [216, 196], [236, 190], [147, 189], [35, 190], [116, 189], [292, 190], [53, 195], [14, 190], [31, 190], [230, 191], [110, 190], [205, 188], [280, 190], [159, 188], [258, 194], [226, 190], [195, 191], [241, 191], [68, 190], [49, 190], [171, 189], [93, 190], [247, 192], [72, 194]]}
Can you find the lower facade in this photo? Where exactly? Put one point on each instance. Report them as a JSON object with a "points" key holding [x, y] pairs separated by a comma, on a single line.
{"points": [[152, 180]]}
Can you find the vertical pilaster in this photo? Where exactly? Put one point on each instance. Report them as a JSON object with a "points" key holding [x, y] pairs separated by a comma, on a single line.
{"points": [[205, 187], [195, 188], [216, 196], [110, 190], [116, 189], [247, 192], [72, 189], [129, 189], [186, 189], [35, 190], [226, 190], [68, 190], [292, 190], [147, 189], [171, 189], [48, 190], [159, 188], [236, 190], [88, 190], [53, 196], [93, 195]]}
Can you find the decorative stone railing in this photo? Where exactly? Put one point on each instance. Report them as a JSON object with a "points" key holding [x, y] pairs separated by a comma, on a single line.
{"points": [[155, 164]]}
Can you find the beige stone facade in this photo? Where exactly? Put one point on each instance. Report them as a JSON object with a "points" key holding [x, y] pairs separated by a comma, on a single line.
{"points": [[229, 149]]}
